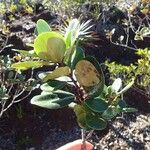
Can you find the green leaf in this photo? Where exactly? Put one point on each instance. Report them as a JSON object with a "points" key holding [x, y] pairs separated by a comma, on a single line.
{"points": [[104, 92], [110, 113], [129, 110], [77, 56], [28, 64], [63, 93], [59, 72], [76, 30], [96, 104], [30, 44], [145, 31], [89, 74], [138, 37], [30, 53], [53, 85], [110, 90], [45, 93], [117, 84], [42, 26], [122, 104], [55, 100], [81, 116], [42, 75], [79, 109], [68, 40], [95, 122], [72, 31], [50, 46], [126, 87]]}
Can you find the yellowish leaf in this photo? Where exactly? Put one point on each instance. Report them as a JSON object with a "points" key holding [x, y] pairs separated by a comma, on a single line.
{"points": [[59, 72], [86, 73]]}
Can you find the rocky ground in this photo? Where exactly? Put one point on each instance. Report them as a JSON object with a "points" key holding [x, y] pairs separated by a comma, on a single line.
{"points": [[126, 132], [130, 132]]}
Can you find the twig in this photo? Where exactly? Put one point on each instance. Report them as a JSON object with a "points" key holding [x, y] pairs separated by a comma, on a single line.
{"points": [[122, 45], [83, 134], [9, 90], [89, 135], [17, 93]]}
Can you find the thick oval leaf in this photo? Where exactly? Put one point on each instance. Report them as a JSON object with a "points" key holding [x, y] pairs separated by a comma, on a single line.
{"points": [[63, 94], [86, 73], [89, 74], [42, 26], [110, 113], [28, 64], [55, 100], [45, 93], [81, 116], [59, 72], [50, 46], [95, 122], [62, 79], [96, 104], [79, 109], [52, 85], [81, 119]]}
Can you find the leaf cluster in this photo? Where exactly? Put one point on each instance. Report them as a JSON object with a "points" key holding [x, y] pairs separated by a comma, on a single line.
{"points": [[76, 80]]}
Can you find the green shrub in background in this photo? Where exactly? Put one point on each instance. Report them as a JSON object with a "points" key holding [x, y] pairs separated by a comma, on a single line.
{"points": [[77, 80], [14, 87], [16, 5], [140, 71]]}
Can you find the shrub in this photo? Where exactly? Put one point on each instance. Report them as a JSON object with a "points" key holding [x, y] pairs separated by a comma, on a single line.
{"points": [[14, 87], [140, 71], [77, 80]]}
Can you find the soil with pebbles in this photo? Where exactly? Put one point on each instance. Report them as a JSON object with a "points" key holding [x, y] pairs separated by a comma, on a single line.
{"points": [[128, 132]]}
